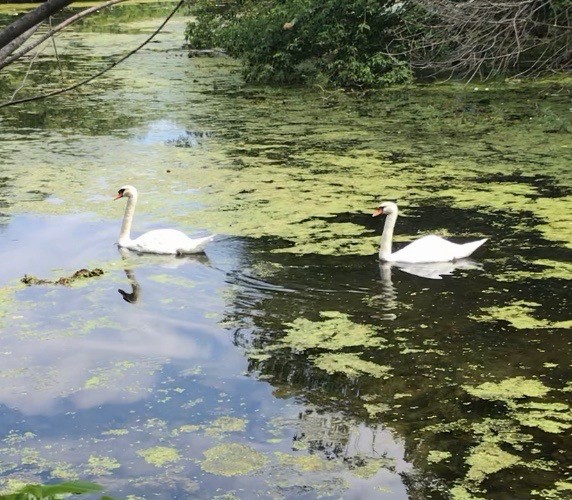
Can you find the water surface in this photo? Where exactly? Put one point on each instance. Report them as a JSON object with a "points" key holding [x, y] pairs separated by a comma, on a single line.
{"points": [[286, 362]]}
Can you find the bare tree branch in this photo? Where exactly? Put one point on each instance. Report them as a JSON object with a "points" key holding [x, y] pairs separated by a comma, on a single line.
{"points": [[31, 19], [59, 27], [485, 38]]}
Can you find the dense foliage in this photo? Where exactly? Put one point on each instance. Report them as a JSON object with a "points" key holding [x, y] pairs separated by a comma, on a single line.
{"points": [[367, 43], [325, 41]]}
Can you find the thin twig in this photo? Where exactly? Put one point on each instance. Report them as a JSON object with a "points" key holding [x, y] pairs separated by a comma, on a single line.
{"points": [[99, 73], [59, 27]]}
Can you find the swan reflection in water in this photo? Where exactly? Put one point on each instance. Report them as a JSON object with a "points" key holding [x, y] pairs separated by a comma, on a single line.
{"points": [[429, 270], [166, 261], [432, 270], [132, 297]]}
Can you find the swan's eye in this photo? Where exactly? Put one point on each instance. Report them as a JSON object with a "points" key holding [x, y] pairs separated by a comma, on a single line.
{"points": [[121, 191]]}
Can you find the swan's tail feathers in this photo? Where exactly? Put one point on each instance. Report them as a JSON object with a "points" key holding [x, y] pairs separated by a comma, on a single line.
{"points": [[469, 248], [197, 245]]}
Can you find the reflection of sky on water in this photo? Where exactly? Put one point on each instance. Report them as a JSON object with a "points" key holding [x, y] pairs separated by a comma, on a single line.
{"points": [[92, 375], [169, 132]]}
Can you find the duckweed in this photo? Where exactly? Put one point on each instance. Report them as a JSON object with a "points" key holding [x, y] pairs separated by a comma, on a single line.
{"points": [[160, 456], [518, 315], [488, 458], [101, 465], [509, 389], [335, 332], [233, 459], [350, 364], [225, 425]]}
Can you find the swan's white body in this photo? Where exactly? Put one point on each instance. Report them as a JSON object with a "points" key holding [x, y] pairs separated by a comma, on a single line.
{"points": [[160, 241], [426, 249]]}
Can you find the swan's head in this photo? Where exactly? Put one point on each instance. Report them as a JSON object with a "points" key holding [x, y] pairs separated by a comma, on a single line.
{"points": [[126, 192], [385, 208]]}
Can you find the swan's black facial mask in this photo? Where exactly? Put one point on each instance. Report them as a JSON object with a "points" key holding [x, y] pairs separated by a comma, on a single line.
{"points": [[378, 211], [119, 194]]}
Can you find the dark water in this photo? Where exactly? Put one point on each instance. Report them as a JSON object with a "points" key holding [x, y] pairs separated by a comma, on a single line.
{"points": [[286, 362]]}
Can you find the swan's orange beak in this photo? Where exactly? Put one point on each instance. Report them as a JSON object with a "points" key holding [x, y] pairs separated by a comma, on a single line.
{"points": [[118, 196], [378, 211]]}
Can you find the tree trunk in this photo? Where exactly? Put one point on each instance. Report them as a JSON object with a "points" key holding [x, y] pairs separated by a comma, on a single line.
{"points": [[32, 18]]}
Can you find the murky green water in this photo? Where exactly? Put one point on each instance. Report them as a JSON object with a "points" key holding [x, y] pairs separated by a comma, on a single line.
{"points": [[286, 363]]}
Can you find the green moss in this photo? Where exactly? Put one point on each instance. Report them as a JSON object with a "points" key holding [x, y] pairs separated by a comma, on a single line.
{"points": [[335, 332], [160, 455], [349, 364], [509, 389], [233, 459]]}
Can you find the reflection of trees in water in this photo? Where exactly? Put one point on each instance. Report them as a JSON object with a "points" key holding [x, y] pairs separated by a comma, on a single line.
{"points": [[435, 348]]}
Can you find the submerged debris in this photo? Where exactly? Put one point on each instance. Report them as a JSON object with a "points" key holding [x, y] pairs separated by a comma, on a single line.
{"points": [[64, 280]]}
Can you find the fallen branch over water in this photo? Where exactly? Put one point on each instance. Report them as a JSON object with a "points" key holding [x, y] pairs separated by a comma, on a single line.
{"points": [[64, 280]]}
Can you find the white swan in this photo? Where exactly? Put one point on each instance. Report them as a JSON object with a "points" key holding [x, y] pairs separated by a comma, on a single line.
{"points": [[427, 249], [162, 241]]}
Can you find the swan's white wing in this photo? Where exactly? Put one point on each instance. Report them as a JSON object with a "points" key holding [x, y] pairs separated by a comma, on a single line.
{"points": [[434, 249], [168, 241]]}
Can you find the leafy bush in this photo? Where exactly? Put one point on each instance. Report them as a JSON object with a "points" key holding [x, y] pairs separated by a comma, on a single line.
{"points": [[335, 42]]}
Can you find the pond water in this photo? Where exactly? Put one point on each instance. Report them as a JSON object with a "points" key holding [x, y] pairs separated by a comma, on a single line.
{"points": [[285, 362]]}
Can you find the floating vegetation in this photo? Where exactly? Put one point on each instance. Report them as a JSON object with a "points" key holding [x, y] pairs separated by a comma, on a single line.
{"points": [[233, 459], [518, 315], [100, 466], [509, 389], [488, 458], [225, 425], [554, 418], [160, 456], [304, 463], [436, 456], [64, 280], [350, 364], [335, 332]]}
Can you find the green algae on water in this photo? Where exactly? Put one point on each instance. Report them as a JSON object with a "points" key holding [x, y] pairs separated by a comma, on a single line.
{"points": [[233, 459], [518, 314], [101, 465], [160, 456], [225, 425], [488, 458], [554, 418], [436, 456], [509, 389], [304, 463], [335, 332], [350, 364]]}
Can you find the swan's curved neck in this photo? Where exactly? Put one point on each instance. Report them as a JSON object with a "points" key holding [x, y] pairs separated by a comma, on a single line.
{"points": [[387, 237], [125, 234]]}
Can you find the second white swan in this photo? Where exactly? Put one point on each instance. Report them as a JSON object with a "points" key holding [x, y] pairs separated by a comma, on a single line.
{"points": [[430, 248], [161, 241]]}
